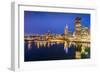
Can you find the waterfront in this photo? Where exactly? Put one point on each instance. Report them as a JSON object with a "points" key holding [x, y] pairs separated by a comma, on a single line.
{"points": [[55, 51], [56, 36]]}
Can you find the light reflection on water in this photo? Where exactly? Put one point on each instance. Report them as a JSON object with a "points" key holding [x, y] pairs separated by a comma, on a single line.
{"points": [[48, 44], [66, 50], [35, 51]]}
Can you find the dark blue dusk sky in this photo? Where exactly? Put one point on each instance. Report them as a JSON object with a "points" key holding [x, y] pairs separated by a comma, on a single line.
{"points": [[42, 22]]}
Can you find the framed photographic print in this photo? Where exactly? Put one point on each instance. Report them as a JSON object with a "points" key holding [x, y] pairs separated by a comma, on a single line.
{"points": [[51, 36]]}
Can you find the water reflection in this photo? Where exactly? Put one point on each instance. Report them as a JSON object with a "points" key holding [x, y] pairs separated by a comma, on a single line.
{"points": [[68, 50], [29, 45], [39, 44], [66, 46]]}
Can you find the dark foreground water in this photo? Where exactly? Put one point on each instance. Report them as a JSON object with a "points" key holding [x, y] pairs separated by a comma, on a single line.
{"points": [[54, 52]]}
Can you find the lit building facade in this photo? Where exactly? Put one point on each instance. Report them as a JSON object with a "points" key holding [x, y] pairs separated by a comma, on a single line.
{"points": [[80, 34], [78, 26]]}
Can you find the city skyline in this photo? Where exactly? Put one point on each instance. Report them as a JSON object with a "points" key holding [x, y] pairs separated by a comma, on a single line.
{"points": [[56, 36], [42, 22]]}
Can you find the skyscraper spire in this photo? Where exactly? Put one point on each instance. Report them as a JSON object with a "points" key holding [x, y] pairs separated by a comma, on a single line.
{"points": [[66, 26], [66, 30]]}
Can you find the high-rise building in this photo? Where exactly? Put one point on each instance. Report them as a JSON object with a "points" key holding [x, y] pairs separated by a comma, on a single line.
{"points": [[77, 26], [85, 33], [66, 31]]}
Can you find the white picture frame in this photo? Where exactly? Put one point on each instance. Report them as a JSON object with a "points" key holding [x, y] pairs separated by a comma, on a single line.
{"points": [[17, 26]]}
